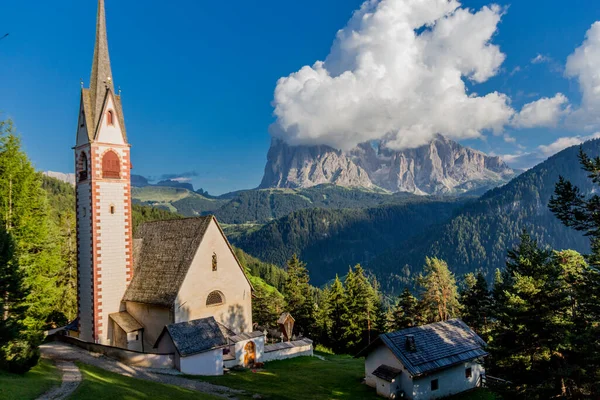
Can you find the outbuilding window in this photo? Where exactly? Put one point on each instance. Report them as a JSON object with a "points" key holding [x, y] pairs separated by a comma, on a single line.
{"points": [[468, 373], [435, 385], [215, 298]]}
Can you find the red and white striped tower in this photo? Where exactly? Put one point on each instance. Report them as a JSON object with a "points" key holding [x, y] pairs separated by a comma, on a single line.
{"points": [[103, 189]]}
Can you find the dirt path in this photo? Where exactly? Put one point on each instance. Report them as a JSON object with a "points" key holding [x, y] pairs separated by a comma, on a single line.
{"points": [[71, 378], [65, 353]]}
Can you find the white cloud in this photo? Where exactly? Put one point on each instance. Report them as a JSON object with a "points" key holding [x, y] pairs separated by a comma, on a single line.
{"points": [[563, 143], [527, 159], [382, 79], [539, 59], [583, 65], [545, 112]]}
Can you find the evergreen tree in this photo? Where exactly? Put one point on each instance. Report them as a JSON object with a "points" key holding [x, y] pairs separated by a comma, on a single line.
{"points": [[24, 216], [532, 322], [266, 307], [439, 291], [336, 311], [476, 302], [404, 314], [361, 310], [299, 296]]}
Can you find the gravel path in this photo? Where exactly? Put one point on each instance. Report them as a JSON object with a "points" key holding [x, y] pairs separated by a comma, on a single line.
{"points": [[62, 352], [71, 378]]}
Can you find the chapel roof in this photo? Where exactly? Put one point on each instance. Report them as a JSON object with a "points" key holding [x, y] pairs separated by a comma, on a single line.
{"points": [[163, 252], [437, 346], [193, 337]]}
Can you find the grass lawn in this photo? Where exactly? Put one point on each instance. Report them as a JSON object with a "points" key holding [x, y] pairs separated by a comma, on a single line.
{"points": [[40, 379], [478, 394], [99, 384], [303, 378]]}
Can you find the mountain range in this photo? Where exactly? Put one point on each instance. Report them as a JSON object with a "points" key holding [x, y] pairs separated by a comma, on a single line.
{"points": [[440, 167], [332, 223]]}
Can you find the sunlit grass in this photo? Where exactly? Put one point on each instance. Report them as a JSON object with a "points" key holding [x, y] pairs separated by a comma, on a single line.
{"points": [[303, 378]]}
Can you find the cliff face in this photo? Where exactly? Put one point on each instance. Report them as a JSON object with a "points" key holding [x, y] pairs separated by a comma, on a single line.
{"points": [[440, 167], [302, 166]]}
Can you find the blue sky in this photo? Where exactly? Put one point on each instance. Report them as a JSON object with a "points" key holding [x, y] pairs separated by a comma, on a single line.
{"points": [[198, 76]]}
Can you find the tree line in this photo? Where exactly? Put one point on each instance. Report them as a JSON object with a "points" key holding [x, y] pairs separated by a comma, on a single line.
{"points": [[540, 316]]}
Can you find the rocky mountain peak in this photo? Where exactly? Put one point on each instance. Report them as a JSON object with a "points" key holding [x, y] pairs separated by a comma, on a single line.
{"points": [[442, 166]]}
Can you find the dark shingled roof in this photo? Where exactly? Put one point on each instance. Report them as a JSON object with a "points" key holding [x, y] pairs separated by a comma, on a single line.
{"points": [[163, 252], [195, 336], [386, 372], [126, 321], [438, 346]]}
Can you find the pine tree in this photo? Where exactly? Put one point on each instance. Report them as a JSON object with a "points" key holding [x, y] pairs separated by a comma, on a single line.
{"points": [[476, 302], [299, 297], [439, 291], [266, 307], [532, 322], [361, 311], [336, 306], [404, 314]]}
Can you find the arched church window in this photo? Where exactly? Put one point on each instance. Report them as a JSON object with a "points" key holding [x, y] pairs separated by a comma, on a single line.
{"points": [[83, 167], [215, 298], [110, 118], [111, 166]]}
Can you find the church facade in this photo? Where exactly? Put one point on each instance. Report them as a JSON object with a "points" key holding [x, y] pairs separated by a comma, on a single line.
{"points": [[174, 286]]}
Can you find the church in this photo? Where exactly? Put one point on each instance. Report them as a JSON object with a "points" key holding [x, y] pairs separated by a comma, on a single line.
{"points": [[175, 287]]}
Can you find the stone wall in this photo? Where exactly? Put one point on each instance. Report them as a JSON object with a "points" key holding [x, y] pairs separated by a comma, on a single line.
{"points": [[281, 351], [129, 357]]}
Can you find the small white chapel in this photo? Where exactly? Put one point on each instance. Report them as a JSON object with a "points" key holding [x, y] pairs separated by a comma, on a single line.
{"points": [[176, 286]]}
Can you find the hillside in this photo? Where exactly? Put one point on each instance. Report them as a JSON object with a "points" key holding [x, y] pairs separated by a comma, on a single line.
{"points": [[332, 240], [179, 200], [480, 234], [264, 205]]}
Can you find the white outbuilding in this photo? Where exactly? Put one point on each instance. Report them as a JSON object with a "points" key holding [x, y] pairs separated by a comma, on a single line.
{"points": [[425, 362]]}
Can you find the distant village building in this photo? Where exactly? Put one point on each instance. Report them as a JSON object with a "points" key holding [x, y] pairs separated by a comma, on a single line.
{"points": [[177, 286], [425, 362]]}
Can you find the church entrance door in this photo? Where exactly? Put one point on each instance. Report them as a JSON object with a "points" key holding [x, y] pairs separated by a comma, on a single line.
{"points": [[249, 354]]}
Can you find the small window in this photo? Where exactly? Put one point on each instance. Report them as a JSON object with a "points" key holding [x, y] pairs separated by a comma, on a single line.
{"points": [[110, 118], [112, 209], [84, 212], [215, 298], [83, 167], [214, 261], [468, 373], [434, 384]]}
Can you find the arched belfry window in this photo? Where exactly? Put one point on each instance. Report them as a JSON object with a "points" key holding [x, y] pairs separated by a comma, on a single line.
{"points": [[215, 298], [83, 167], [111, 166], [110, 118]]}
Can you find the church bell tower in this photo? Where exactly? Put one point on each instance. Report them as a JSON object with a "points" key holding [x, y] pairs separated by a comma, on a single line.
{"points": [[103, 190]]}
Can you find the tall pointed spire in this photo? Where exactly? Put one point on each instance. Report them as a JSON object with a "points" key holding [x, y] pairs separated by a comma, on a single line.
{"points": [[101, 78]]}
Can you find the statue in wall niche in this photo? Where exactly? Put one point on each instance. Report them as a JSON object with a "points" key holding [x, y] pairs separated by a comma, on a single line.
{"points": [[286, 325]]}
